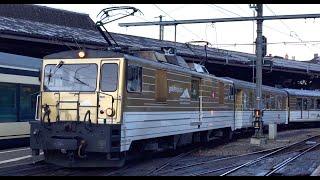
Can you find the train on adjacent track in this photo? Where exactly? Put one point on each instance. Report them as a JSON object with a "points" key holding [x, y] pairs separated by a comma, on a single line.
{"points": [[19, 86], [97, 107]]}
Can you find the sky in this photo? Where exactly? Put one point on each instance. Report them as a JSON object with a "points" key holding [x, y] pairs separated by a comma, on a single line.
{"points": [[226, 35]]}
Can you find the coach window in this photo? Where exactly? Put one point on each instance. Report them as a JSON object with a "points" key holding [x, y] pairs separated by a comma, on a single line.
{"points": [[311, 103], [272, 102], [318, 103], [299, 104], [231, 93], [28, 96], [267, 100], [195, 89], [251, 99], [305, 104], [245, 101], [161, 86], [109, 77], [284, 102], [134, 78], [8, 106], [278, 100]]}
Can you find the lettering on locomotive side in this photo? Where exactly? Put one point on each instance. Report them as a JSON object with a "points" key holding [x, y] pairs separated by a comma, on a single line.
{"points": [[175, 89]]}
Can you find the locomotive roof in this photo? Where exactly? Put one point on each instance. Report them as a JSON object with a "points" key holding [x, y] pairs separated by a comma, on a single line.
{"points": [[300, 92], [168, 66], [73, 54], [246, 84]]}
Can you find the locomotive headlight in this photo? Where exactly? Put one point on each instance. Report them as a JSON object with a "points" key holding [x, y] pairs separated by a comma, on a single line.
{"points": [[110, 112], [81, 54]]}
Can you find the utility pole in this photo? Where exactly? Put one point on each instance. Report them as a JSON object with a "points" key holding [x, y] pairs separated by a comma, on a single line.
{"points": [[258, 124]]}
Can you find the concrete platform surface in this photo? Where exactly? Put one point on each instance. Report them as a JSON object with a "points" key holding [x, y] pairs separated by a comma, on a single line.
{"points": [[16, 156]]}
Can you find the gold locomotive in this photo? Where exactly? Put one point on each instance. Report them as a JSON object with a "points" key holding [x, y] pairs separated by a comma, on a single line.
{"points": [[96, 107]]}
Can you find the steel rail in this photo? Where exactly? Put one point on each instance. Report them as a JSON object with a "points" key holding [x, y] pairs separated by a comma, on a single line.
{"points": [[267, 155], [167, 163], [221, 159], [284, 163]]}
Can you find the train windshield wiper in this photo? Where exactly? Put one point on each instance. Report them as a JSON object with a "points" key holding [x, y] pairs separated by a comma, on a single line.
{"points": [[58, 66], [81, 81]]}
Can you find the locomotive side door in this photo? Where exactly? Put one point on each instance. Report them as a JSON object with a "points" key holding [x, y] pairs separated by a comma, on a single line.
{"points": [[109, 96]]}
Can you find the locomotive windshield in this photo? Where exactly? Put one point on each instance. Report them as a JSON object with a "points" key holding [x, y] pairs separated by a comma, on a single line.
{"points": [[70, 77]]}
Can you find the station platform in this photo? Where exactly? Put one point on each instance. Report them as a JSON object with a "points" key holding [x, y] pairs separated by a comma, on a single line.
{"points": [[316, 172], [15, 156]]}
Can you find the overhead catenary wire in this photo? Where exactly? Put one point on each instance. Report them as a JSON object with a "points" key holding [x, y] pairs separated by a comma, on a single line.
{"points": [[272, 43], [295, 35]]}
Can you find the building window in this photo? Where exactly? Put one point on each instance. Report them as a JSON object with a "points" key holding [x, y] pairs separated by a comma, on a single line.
{"points": [[195, 89], [161, 86], [134, 78], [109, 77]]}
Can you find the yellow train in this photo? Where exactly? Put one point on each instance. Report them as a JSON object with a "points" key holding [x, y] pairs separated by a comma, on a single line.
{"points": [[96, 107]]}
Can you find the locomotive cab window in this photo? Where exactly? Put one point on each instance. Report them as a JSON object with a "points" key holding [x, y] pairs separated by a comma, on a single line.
{"points": [[109, 77], [134, 78]]}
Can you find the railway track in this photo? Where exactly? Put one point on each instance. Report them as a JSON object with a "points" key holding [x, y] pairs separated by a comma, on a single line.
{"points": [[169, 162], [300, 148], [228, 165], [182, 164]]}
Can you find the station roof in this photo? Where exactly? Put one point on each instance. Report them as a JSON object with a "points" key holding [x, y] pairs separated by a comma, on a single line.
{"points": [[48, 23]]}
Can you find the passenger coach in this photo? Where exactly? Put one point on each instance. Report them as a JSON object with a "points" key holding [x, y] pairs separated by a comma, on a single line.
{"points": [[19, 86]]}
